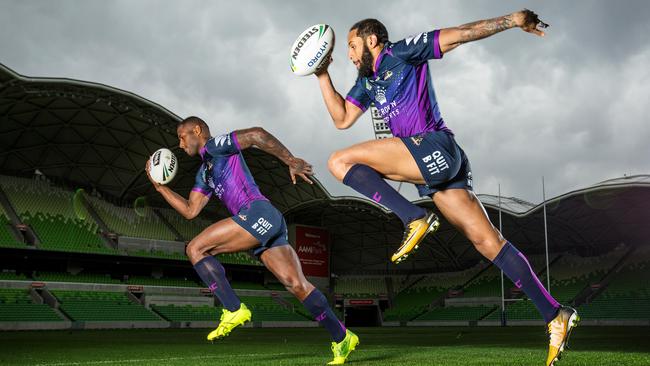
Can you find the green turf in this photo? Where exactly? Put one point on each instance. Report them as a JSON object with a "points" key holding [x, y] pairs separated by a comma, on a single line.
{"points": [[379, 346]]}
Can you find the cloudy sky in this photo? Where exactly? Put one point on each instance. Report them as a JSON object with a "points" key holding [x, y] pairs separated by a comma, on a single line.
{"points": [[572, 106]]}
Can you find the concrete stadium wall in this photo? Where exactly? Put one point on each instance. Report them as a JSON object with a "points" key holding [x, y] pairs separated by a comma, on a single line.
{"points": [[167, 246], [148, 290], [35, 325], [62, 325]]}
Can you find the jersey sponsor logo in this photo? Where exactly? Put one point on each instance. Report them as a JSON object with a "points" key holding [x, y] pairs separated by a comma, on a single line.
{"points": [[416, 38], [436, 162], [218, 190], [469, 180], [387, 75], [262, 226], [388, 111], [242, 217], [313, 248], [221, 140], [380, 95], [417, 140]]}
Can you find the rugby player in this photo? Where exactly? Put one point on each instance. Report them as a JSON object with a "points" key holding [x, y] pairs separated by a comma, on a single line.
{"points": [[395, 77], [255, 225]]}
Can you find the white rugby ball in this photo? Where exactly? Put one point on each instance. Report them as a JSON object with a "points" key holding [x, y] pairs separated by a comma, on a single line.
{"points": [[312, 47], [163, 166]]}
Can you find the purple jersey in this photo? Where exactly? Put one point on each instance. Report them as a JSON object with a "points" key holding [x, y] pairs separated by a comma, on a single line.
{"points": [[401, 88], [225, 173]]}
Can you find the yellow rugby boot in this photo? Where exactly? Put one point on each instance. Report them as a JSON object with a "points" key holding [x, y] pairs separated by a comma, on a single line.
{"points": [[559, 330], [229, 321], [415, 232], [343, 349]]}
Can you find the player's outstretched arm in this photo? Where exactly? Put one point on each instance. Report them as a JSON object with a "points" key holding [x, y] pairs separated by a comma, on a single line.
{"points": [[263, 140], [343, 113], [527, 20], [189, 208]]}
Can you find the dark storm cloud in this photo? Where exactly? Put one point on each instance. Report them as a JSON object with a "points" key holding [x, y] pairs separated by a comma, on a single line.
{"points": [[572, 106]]}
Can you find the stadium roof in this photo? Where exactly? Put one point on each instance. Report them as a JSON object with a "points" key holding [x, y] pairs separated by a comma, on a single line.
{"points": [[95, 136]]}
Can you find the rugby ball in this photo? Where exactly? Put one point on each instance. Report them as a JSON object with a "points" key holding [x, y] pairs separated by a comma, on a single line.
{"points": [[312, 47], [163, 166]]}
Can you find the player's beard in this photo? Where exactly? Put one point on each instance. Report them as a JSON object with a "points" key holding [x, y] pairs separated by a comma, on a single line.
{"points": [[365, 66]]}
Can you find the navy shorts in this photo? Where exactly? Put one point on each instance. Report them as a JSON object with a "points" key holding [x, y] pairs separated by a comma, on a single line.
{"points": [[265, 223], [442, 162]]}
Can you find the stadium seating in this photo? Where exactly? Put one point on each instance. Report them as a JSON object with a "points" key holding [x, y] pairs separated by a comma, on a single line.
{"points": [[49, 211], [267, 309], [417, 299], [520, 310], [456, 313], [125, 221], [7, 240], [264, 308], [12, 276], [411, 303], [487, 285], [101, 306], [627, 296], [70, 235], [228, 258], [186, 313], [299, 308], [81, 277], [164, 281], [361, 286], [247, 285], [187, 228], [16, 305]]}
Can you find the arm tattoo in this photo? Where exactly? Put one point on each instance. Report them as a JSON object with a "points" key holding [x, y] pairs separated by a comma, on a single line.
{"points": [[484, 28], [263, 140]]}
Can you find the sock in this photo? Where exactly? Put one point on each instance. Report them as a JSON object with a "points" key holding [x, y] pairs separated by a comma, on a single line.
{"points": [[515, 265], [368, 182], [214, 276], [317, 305]]}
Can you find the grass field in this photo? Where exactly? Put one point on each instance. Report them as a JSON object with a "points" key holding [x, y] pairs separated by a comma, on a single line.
{"points": [[379, 346]]}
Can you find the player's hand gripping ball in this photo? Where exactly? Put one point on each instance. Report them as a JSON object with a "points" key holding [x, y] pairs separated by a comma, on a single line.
{"points": [[311, 50]]}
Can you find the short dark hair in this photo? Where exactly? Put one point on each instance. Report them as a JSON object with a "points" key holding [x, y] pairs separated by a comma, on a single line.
{"points": [[194, 121], [369, 27]]}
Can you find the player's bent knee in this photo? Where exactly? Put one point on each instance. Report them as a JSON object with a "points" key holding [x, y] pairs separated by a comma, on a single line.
{"points": [[193, 251], [337, 164], [189, 248], [488, 247], [298, 288]]}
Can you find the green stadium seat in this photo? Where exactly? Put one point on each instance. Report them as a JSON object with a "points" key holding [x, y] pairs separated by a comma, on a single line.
{"points": [[16, 306], [101, 306]]}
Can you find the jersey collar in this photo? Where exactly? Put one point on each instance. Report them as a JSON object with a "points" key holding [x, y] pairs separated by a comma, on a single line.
{"points": [[383, 52], [203, 150]]}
